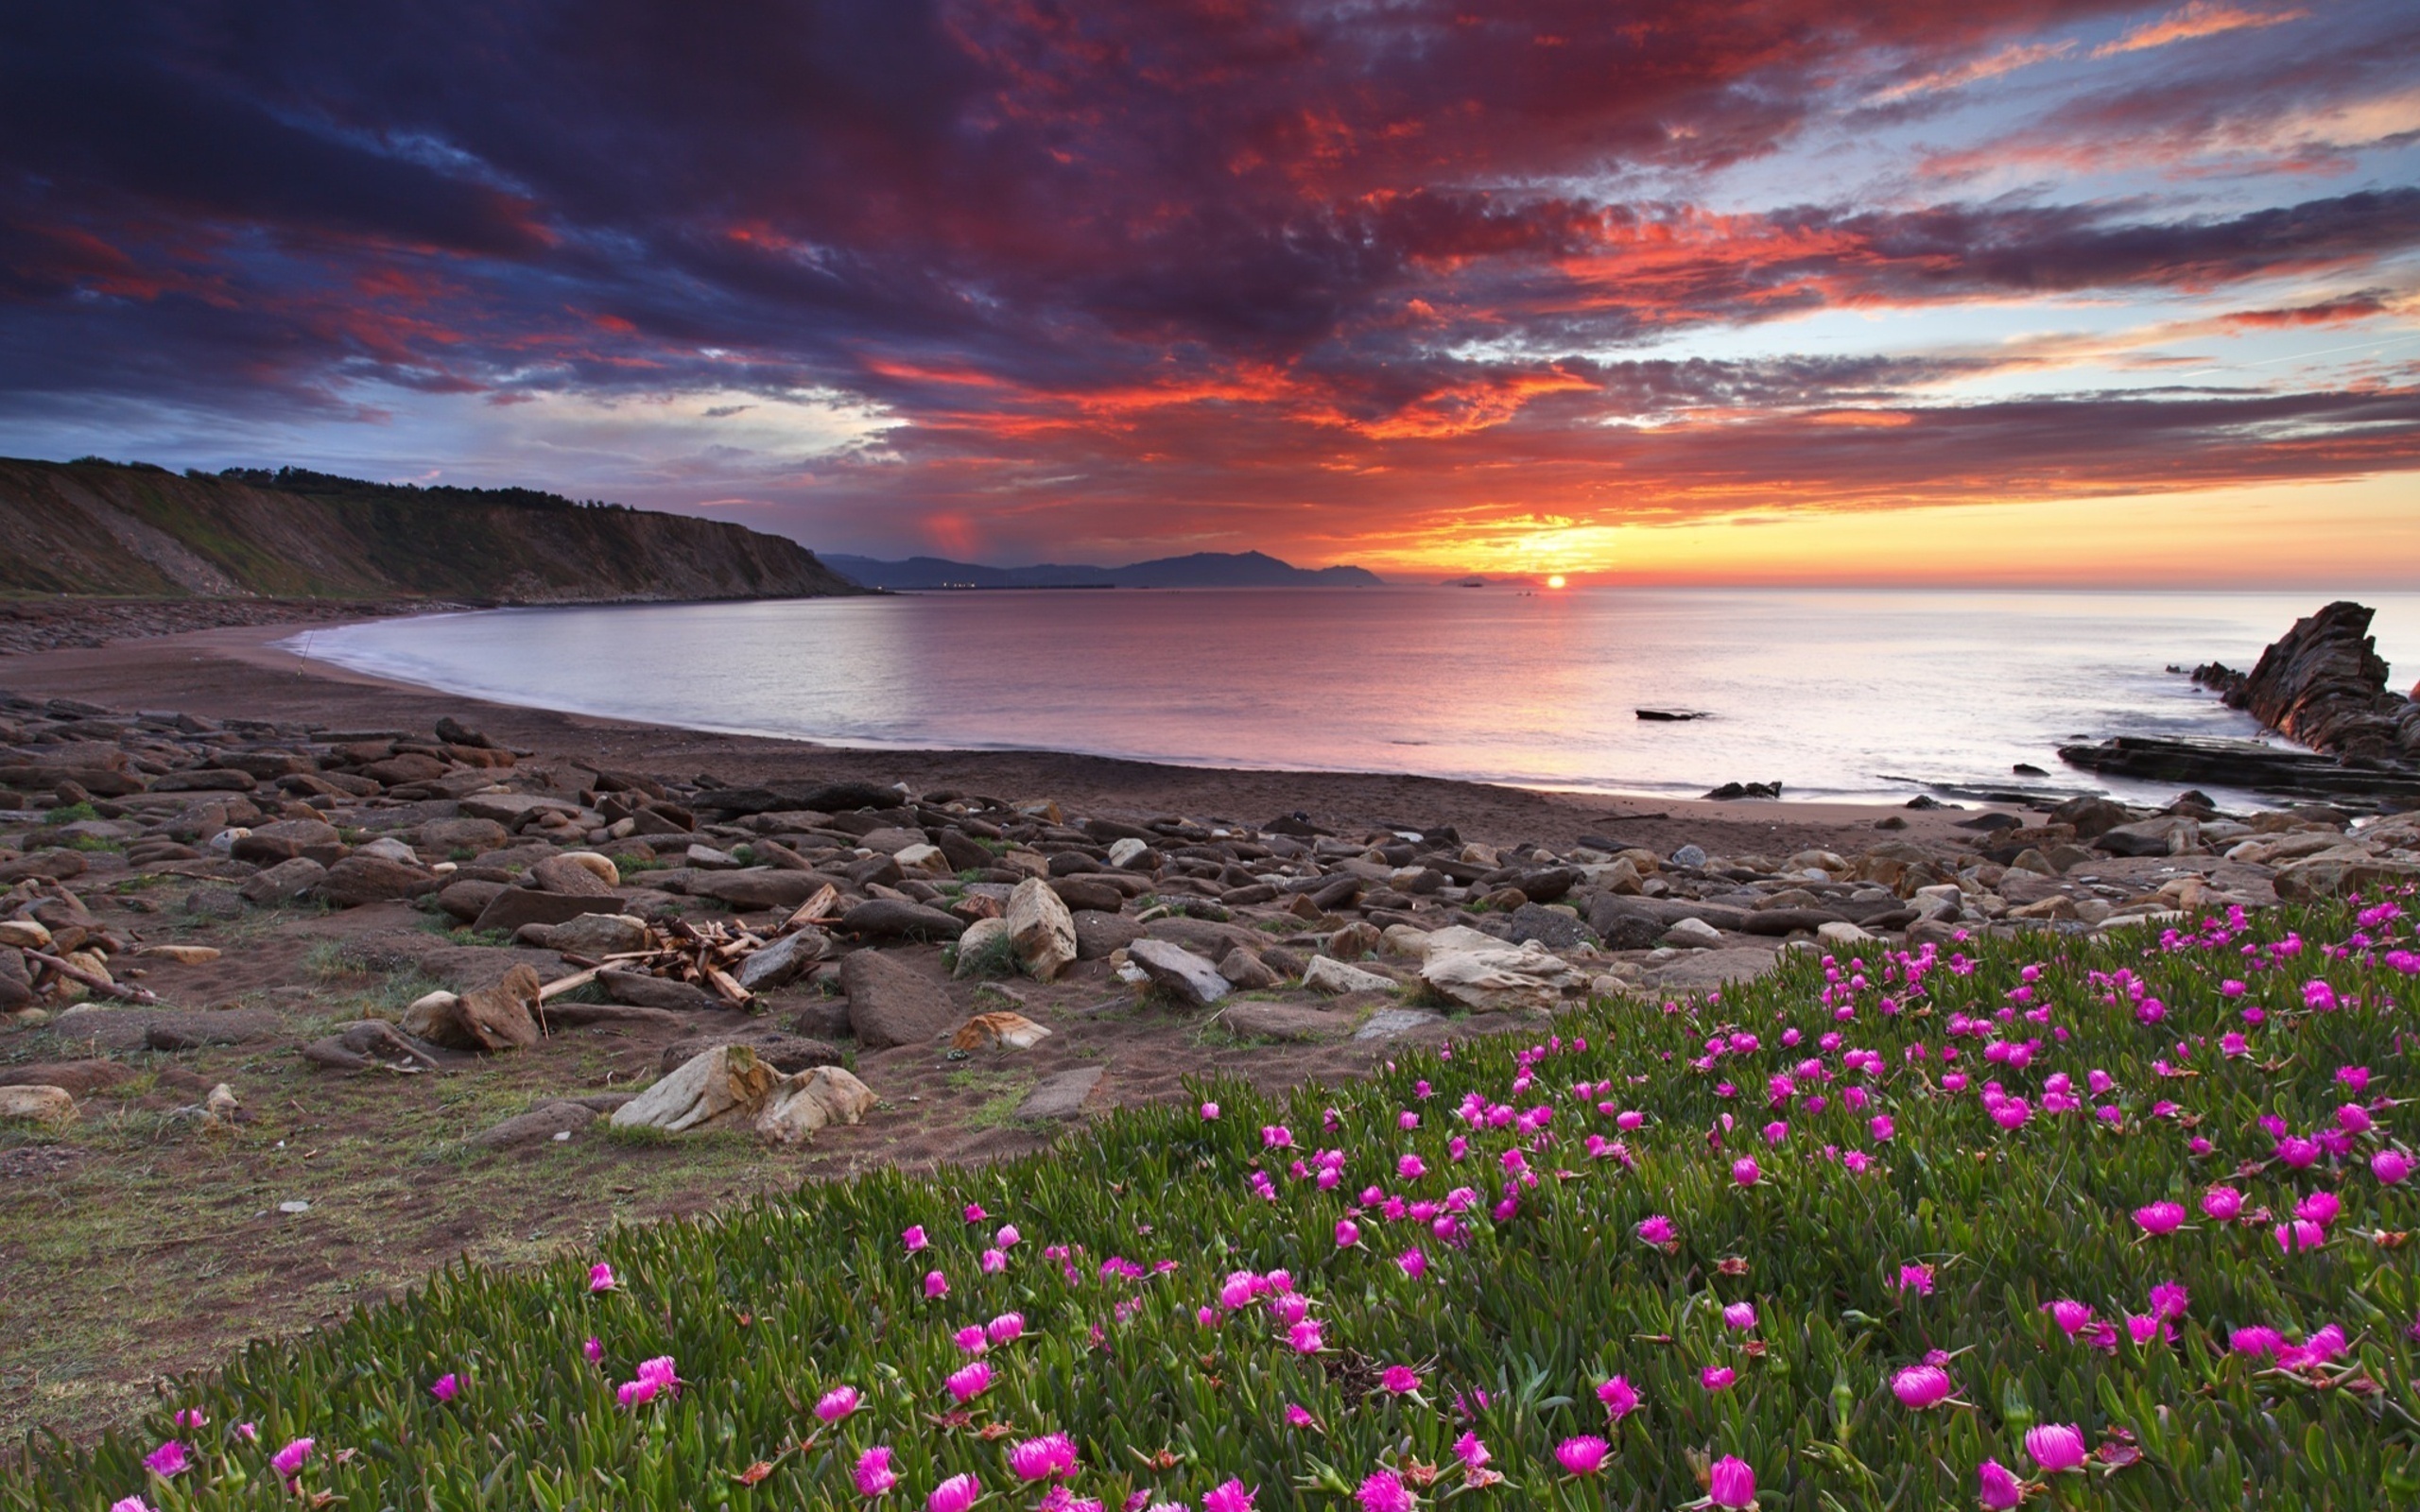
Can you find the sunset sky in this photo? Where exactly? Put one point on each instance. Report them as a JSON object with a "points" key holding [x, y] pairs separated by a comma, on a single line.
{"points": [[1901, 290]]}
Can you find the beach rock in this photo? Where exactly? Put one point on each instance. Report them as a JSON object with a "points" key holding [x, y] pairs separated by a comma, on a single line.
{"points": [[170, 1029], [286, 840], [977, 947], [2325, 876], [1689, 857], [590, 935], [1547, 885], [1285, 1022], [570, 875], [373, 1044], [810, 1100], [1622, 926], [367, 879], [786, 1053], [1692, 934], [466, 901], [2168, 834], [498, 1018], [1843, 933], [1179, 972], [1127, 850], [1100, 936], [1503, 979], [1061, 1096], [1780, 921], [1041, 930], [926, 861], [81, 1078], [724, 1086], [37, 1105], [513, 810], [1712, 969], [638, 990], [2323, 683], [1009, 1031], [891, 1003], [1247, 971], [1550, 927], [457, 834], [890, 918], [285, 882], [540, 1126], [512, 907], [783, 961], [1087, 894], [1328, 974]]}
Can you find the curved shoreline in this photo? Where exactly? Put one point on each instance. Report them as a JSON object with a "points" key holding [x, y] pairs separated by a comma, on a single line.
{"points": [[242, 672]]}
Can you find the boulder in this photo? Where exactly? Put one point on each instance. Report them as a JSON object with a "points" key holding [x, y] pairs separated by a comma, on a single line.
{"points": [[1061, 1096], [466, 901], [1501, 980], [590, 935], [513, 907], [724, 1086], [1621, 925], [1009, 1031], [572, 875], [2333, 877], [1041, 930], [285, 882], [1551, 927], [1354, 940], [800, 1104], [1712, 969], [639, 990], [1692, 934], [754, 887], [1328, 974], [977, 947], [783, 961], [1099, 935], [270, 844], [2168, 834], [1085, 893], [503, 1017], [890, 918], [1843, 933], [80, 1078], [1179, 972], [445, 836], [370, 879], [891, 1003], [1285, 1022], [1248, 972], [2323, 684], [37, 1105], [512, 810]]}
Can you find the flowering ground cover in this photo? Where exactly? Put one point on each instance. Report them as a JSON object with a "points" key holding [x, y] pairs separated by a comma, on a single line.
{"points": [[2074, 1222]]}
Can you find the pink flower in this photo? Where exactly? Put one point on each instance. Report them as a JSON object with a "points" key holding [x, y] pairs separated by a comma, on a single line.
{"points": [[289, 1459], [1229, 1497], [2001, 1488], [1472, 1452], [955, 1494], [1304, 1336], [913, 1237], [1298, 1416], [2391, 1166], [2300, 1234], [1384, 1491], [169, 1459], [1210, 1112], [1348, 1233], [874, 1472], [1006, 1329], [1414, 1263], [1402, 1380], [1582, 1455], [1922, 1385], [1717, 1377], [1880, 1127], [2160, 1217], [2070, 1314], [974, 1213], [1009, 1237], [837, 1404], [936, 1285], [1619, 1396], [191, 1417], [446, 1388], [129, 1504], [2055, 1447], [1732, 1482], [595, 1350], [2222, 1203], [1410, 1167], [1038, 1459], [970, 1339], [970, 1381], [1745, 1172], [1658, 1230], [600, 1278], [1741, 1315]]}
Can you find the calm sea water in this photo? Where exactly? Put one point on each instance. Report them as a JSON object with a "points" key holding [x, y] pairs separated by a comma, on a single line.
{"points": [[1835, 694]]}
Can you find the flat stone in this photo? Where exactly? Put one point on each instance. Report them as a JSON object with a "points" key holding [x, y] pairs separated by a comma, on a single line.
{"points": [[891, 1003], [1503, 979], [466, 901], [119, 1029], [887, 918], [568, 874], [754, 887], [511, 809], [810, 1100], [1328, 974], [1179, 972], [515, 907], [1706, 968], [1041, 930], [1693, 934], [1099, 935], [537, 1126], [783, 961], [1061, 1096], [39, 1105], [283, 882], [1388, 1024], [640, 990], [1285, 1021], [81, 1078], [367, 879], [590, 935]]}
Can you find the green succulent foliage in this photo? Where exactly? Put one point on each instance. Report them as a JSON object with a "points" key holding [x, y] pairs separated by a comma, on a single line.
{"points": [[1130, 1227]]}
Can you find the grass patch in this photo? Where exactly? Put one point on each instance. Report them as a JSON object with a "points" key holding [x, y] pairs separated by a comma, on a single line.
{"points": [[71, 812], [1560, 1246]]}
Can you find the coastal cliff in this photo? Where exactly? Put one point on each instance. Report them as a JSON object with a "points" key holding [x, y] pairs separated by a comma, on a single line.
{"points": [[133, 531]]}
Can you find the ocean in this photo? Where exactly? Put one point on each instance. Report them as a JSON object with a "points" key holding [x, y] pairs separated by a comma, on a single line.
{"points": [[1836, 694]]}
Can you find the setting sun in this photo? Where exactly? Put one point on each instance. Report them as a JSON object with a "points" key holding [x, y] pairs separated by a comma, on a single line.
{"points": [[1556, 581]]}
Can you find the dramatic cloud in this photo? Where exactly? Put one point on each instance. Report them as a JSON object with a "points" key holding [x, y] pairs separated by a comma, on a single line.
{"points": [[1061, 278]]}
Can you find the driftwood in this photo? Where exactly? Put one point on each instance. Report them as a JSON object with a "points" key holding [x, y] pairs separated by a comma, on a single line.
{"points": [[373, 1044], [98, 983]]}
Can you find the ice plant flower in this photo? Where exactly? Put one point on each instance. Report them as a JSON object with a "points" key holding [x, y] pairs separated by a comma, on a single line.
{"points": [[874, 1473], [446, 1388], [1581, 1455], [936, 1285], [1732, 1482], [288, 1460], [1741, 1315], [970, 1381], [955, 1494], [1006, 1329], [837, 1404], [1401, 1380], [1917, 1279], [1230, 1496], [1922, 1385], [2391, 1167], [1745, 1172], [600, 1278], [1210, 1112], [169, 1459], [1348, 1233], [2055, 1447], [2160, 1217], [595, 1350], [1619, 1396], [2222, 1203], [1717, 1377], [913, 1237], [1658, 1230], [129, 1504], [1039, 1459], [1384, 1491], [1999, 1488]]}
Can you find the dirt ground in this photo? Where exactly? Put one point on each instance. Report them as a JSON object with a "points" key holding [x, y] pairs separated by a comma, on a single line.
{"points": [[143, 1240]]}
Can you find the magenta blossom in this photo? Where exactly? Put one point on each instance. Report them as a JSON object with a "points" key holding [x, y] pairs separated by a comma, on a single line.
{"points": [[874, 1472], [2160, 1217], [1732, 1482], [1745, 1170], [970, 1381], [129, 1504], [913, 1237], [446, 1388], [1006, 1329], [1921, 1386], [1210, 1112], [1039, 1459], [1582, 1455], [1717, 1377], [1658, 1230], [837, 1404], [2055, 1447], [1619, 1396], [290, 1459], [955, 1494], [1741, 1315], [1229, 1497], [169, 1459], [936, 1285], [1384, 1491], [1402, 1380], [2391, 1167], [2001, 1488], [600, 1278], [2222, 1203]]}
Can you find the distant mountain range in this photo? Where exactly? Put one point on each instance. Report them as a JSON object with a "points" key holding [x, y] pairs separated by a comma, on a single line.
{"points": [[1203, 569]]}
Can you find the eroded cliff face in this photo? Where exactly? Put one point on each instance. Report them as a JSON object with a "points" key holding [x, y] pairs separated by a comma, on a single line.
{"points": [[106, 529]]}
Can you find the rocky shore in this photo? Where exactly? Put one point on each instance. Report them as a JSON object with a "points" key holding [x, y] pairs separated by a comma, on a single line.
{"points": [[29, 626]]}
